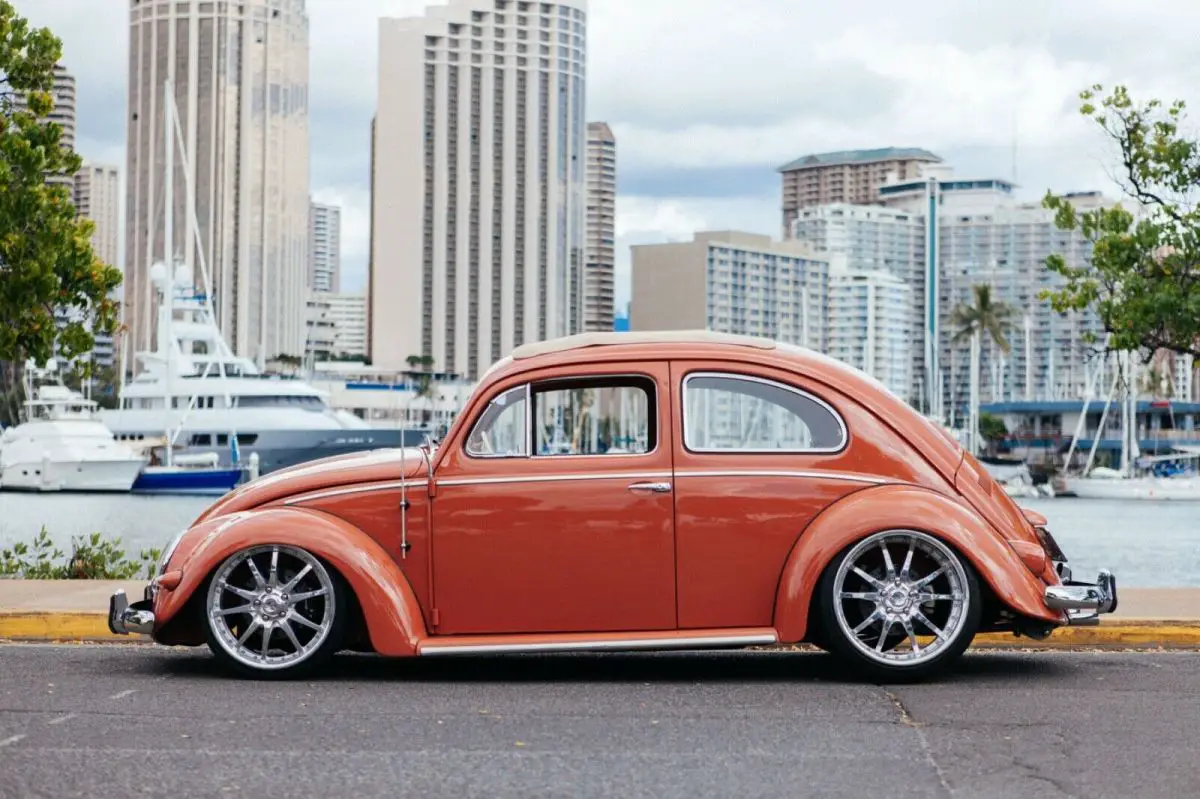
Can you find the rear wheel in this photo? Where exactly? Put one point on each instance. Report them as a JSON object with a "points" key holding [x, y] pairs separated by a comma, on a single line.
{"points": [[275, 611], [899, 605]]}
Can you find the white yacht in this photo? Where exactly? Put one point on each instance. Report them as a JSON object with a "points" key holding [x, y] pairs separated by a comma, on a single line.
{"points": [[194, 389], [64, 447]]}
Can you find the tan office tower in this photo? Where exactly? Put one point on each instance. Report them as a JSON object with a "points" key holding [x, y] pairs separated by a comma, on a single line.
{"points": [[478, 182], [601, 227], [97, 197], [240, 77]]}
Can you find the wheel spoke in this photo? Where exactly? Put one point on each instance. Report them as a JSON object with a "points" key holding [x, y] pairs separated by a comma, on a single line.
{"points": [[273, 575], [299, 576], [259, 582], [286, 626], [926, 597], [870, 596], [933, 628], [912, 545], [884, 629], [875, 616], [231, 611], [868, 578], [924, 581], [266, 644], [250, 628], [242, 592], [293, 616], [912, 635], [889, 568], [296, 599]]}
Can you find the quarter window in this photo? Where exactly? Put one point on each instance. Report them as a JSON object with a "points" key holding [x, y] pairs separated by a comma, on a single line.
{"points": [[733, 413], [501, 431]]}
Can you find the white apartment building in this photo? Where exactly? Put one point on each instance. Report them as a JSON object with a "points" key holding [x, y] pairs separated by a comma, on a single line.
{"points": [[732, 282], [324, 247], [337, 325], [478, 186], [239, 72], [601, 227], [871, 323], [867, 239], [97, 196]]}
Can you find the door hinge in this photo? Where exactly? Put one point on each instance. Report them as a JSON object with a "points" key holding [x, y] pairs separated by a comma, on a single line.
{"points": [[437, 617]]}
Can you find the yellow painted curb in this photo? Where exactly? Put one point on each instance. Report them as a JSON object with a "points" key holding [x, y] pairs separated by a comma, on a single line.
{"points": [[58, 627]]}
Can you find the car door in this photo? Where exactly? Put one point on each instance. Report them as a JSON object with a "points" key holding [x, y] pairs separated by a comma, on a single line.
{"points": [[758, 454], [554, 512]]}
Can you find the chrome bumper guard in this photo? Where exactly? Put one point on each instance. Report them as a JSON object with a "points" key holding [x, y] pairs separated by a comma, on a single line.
{"points": [[124, 618], [1084, 602]]}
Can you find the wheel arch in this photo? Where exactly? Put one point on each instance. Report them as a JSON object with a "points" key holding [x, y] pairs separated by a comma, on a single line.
{"points": [[902, 507], [384, 598]]}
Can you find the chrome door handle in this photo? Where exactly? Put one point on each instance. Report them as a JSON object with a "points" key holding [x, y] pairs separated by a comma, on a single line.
{"points": [[654, 488]]}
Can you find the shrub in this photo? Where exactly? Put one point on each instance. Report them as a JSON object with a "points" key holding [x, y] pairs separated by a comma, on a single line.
{"points": [[93, 557]]}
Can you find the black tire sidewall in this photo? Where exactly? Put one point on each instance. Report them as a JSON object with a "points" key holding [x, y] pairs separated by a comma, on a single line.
{"points": [[835, 641], [316, 661]]}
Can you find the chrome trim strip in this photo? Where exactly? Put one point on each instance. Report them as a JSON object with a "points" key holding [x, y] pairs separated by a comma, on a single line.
{"points": [[814, 474], [735, 376], [360, 489], [556, 478], [585, 646]]}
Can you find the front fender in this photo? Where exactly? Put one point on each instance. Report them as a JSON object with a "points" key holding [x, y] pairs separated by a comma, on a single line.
{"points": [[898, 507], [389, 606]]}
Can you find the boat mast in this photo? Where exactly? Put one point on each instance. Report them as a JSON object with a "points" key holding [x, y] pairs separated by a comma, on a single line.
{"points": [[168, 288]]}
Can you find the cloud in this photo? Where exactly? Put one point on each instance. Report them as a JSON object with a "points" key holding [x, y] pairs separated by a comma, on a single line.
{"points": [[707, 98]]}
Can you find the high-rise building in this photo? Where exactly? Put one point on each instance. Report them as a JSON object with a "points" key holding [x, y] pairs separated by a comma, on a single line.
{"points": [[870, 238], [97, 196], [870, 325], [848, 176], [478, 182], [337, 325], [239, 72], [324, 247], [63, 113], [732, 282], [601, 227]]}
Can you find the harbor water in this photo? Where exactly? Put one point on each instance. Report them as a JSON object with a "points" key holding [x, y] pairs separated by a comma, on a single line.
{"points": [[1146, 544]]}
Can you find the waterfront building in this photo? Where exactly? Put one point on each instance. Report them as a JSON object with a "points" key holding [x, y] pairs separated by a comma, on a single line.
{"points": [[601, 227], [97, 196], [393, 398], [846, 176], [337, 325], [871, 324], [239, 72], [324, 247], [732, 282], [478, 182]]}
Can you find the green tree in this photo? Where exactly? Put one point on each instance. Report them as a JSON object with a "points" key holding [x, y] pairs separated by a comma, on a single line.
{"points": [[985, 316], [1144, 277], [46, 258], [993, 430]]}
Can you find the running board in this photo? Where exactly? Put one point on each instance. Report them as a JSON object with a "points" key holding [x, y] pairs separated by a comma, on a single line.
{"points": [[597, 642]]}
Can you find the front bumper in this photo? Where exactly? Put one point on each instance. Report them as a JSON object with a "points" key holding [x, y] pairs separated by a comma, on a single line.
{"points": [[1083, 602], [124, 618]]}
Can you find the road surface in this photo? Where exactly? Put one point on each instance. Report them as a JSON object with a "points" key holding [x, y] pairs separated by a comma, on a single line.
{"points": [[129, 720]]}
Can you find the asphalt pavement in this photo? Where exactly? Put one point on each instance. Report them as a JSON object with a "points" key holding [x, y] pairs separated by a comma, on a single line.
{"points": [[83, 720]]}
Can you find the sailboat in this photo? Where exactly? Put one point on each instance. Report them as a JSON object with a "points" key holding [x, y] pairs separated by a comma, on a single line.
{"points": [[1123, 483], [191, 474]]}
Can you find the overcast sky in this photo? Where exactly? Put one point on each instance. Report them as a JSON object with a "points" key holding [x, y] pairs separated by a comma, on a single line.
{"points": [[708, 97]]}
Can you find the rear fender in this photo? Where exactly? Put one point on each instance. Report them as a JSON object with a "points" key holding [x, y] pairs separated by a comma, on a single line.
{"points": [[389, 606], [900, 507]]}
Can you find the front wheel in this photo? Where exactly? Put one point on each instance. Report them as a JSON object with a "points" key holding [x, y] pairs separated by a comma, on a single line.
{"points": [[899, 605], [274, 611]]}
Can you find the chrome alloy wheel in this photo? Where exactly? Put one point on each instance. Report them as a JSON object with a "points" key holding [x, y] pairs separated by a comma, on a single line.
{"points": [[901, 597], [271, 607]]}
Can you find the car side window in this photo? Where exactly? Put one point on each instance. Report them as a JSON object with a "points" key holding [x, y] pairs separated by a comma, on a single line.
{"points": [[502, 430], [597, 416], [726, 412]]}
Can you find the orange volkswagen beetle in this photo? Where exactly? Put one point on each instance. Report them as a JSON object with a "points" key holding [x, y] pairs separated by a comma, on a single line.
{"points": [[627, 491]]}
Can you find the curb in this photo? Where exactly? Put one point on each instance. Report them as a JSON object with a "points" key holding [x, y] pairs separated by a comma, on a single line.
{"points": [[1134, 633]]}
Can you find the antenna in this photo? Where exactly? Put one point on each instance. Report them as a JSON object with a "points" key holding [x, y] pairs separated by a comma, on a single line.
{"points": [[1014, 144]]}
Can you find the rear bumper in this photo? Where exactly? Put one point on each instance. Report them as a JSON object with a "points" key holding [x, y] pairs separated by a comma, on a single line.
{"points": [[1084, 602], [124, 618]]}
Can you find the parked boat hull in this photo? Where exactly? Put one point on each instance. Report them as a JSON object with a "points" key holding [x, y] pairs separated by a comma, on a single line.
{"points": [[169, 480], [1155, 488], [81, 476]]}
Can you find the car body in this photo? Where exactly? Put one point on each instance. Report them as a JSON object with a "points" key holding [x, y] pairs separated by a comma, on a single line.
{"points": [[627, 491]]}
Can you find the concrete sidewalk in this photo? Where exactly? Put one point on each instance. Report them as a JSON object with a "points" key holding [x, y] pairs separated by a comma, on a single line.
{"points": [[76, 610]]}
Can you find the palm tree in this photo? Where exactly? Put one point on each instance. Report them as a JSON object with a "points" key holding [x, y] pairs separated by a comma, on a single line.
{"points": [[971, 322]]}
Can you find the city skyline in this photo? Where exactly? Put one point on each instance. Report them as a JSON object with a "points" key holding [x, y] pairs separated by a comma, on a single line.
{"points": [[702, 138]]}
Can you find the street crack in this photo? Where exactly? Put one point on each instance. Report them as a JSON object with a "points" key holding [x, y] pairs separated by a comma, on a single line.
{"points": [[907, 719]]}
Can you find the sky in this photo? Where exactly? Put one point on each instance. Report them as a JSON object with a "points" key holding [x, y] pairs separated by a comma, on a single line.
{"points": [[707, 98]]}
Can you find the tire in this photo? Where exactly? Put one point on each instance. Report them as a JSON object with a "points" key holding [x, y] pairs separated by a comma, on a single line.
{"points": [[275, 612], [881, 580]]}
